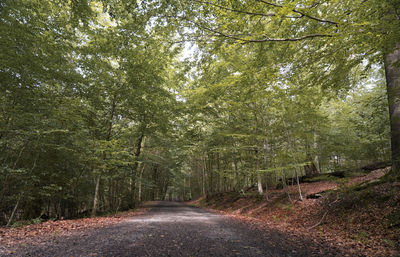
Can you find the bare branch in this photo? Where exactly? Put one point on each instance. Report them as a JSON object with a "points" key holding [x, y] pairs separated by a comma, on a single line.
{"points": [[301, 13], [324, 215], [237, 11], [246, 12], [266, 39], [271, 4], [248, 38]]}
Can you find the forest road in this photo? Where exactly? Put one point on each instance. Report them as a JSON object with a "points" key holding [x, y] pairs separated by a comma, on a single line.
{"points": [[176, 229]]}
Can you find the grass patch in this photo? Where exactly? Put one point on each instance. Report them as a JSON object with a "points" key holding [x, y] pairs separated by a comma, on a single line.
{"points": [[203, 202], [361, 237], [287, 207], [388, 242], [21, 223], [366, 185], [393, 219], [323, 177]]}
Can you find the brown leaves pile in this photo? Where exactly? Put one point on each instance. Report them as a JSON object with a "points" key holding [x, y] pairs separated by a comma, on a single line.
{"points": [[361, 231], [38, 233]]}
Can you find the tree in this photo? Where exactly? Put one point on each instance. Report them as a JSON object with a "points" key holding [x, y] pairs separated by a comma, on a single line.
{"points": [[77, 97], [327, 39]]}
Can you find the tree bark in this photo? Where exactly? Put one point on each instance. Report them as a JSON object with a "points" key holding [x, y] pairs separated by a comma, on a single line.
{"points": [[184, 191], [298, 185], [203, 187], [96, 194], [190, 190], [237, 183], [259, 181], [316, 156], [138, 150], [392, 72], [259, 184], [265, 149], [140, 183], [13, 212], [139, 145]]}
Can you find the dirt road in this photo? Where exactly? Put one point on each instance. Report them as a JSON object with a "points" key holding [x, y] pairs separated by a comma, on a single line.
{"points": [[175, 229]]}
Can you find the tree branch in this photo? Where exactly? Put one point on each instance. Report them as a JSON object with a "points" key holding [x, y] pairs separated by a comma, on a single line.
{"points": [[325, 213], [238, 11], [303, 14], [239, 37], [266, 39]]}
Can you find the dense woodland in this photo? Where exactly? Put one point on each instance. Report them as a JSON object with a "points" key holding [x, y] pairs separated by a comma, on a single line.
{"points": [[105, 104]]}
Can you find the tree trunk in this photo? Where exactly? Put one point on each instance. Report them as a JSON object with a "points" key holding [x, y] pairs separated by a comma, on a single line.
{"points": [[203, 187], [237, 183], [316, 157], [139, 146], [266, 188], [96, 194], [13, 212], [298, 185], [259, 184], [190, 190], [310, 169], [259, 181], [392, 71], [184, 191], [285, 187], [140, 184], [211, 180], [265, 149]]}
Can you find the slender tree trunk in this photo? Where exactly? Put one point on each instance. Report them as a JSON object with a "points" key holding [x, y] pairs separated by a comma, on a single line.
{"points": [[316, 156], [96, 194], [14, 210], [204, 178], [285, 186], [259, 181], [108, 137], [199, 176], [298, 185], [296, 162], [206, 182], [140, 183], [190, 190], [211, 180], [184, 190], [138, 151], [219, 175], [392, 71], [265, 149], [266, 189], [139, 146], [259, 184], [237, 183]]}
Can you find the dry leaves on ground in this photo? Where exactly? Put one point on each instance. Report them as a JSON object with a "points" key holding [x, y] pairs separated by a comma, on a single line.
{"points": [[38, 233]]}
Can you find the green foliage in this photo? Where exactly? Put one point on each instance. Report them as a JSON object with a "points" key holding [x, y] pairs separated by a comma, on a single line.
{"points": [[326, 177], [393, 219], [361, 237], [98, 109], [79, 88]]}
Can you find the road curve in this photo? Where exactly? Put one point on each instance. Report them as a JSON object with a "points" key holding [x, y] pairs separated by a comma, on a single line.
{"points": [[176, 229]]}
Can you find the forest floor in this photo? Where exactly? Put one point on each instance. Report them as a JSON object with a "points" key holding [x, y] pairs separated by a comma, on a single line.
{"points": [[53, 231], [357, 216], [359, 213], [172, 229]]}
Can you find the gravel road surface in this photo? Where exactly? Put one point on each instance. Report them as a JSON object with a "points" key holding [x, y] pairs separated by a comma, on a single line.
{"points": [[176, 229]]}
